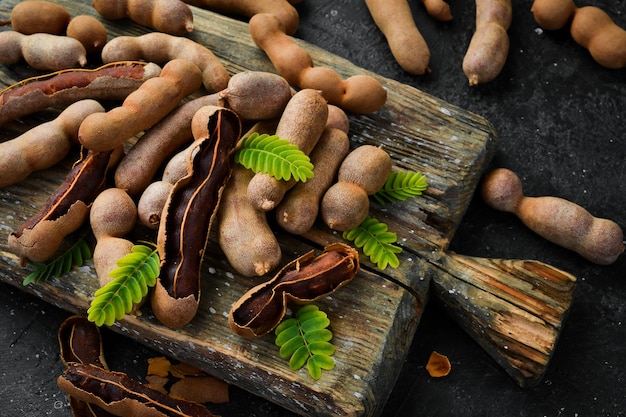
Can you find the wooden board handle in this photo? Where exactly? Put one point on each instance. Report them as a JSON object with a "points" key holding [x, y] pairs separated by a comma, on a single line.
{"points": [[513, 308]]}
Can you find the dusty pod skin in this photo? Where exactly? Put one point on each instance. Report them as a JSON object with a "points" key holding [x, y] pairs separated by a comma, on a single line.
{"points": [[42, 51], [304, 280], [560, 221], [593, 28], [151, 203], [367, 166], [170, 16], [553, 14], [89, 31], [34, 16]]}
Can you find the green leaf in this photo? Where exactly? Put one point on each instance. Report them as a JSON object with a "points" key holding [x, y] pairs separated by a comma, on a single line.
{"points": [[376, 241], [76, 255], [400, 186], [277, 157], [135, 274]]}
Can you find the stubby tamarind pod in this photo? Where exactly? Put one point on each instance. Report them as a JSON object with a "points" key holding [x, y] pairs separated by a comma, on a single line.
{"points": [[593, 29], [142, 108], [553, 14], [438, 10], [138, 167], [90, 31], [42, 51], [65, 210], [301, 123], [188, 216], [357, 94], [282, 9], [395, 21], [557, 220], [161, 48], [118, 394], [44, 145], [489, 47], [34, 16], [170, 16], [306, 279], [108, 82], [362, 173]]}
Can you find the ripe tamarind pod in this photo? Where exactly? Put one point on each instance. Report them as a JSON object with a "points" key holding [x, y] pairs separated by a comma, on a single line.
{"points": [[142, 108], [304, 280], [42, 51], [44, 145], [170, 16], [593, 29], [560, 221], [118, 394], [90, 31], [553, 14], [34, 16], [161, 47], [151, 203], [65, 210], [108, 82], [187, 218]]}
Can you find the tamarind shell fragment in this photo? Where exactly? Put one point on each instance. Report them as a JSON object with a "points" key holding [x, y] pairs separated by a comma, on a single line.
{"points": [[80, 341], [304, 280], [187, 218]]}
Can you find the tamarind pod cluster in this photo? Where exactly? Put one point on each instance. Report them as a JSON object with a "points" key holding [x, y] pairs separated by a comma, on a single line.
{"points": [[489, 47], [169, 16], [108, 82], [357, 94], [65, 210], [438, 10], [161, 48], [36, 16], [142, 108], [282, 9], [42, 51], [306, 279], [395, 21], [593, 29], [553, 14], [89, 31], [188, 216], [44, 145]]}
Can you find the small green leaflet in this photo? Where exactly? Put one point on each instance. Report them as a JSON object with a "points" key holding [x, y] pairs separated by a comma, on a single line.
{"points": [[136, 272], [376, 241], [277, 157], [400, 186], [76, 255], [305, 339]]}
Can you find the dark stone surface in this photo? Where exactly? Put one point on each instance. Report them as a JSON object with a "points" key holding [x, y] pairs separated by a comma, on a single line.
{"points": [[562, 127]]}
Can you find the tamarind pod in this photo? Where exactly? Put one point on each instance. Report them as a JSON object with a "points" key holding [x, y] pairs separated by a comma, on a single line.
{"points": [[593, 29], [65, 210], [170, 16], [89, 31], [282, 9], [117, 393], [438, 10], [161, 48], [35, 16], [304, 280], [42, 51], [80, 342], [44, 145], [108, 82], [142, 108], [553, 14], [138, 167], [151, 203], [187, 219]]}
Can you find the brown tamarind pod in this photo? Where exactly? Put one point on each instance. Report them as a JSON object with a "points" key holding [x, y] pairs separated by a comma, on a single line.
{"points": [[187, 218], [42, 51], [593, 29], [37, 16], [553, 14], [169, 16]]}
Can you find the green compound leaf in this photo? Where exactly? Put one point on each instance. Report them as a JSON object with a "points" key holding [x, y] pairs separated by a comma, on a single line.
{"points": [[400, 186], [376, 241], [136, 272], [76, 255], [277, 157], [305, 339]]}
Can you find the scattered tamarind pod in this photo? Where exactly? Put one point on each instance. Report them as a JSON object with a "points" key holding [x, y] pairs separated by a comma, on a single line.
{"points": [[118, 394], [42, 51], [256, 95], [301, 123], [138, 167], [34, 16], [489, 47], [65, 210], [244, 234], [44, 145], [553, 14], [438, 10], [108, 82], [187, 218], [560, 221], [306, 279], [161, 48], [151, 203], [395, 21], [142, 108], [90, 31], [170, 16], [593, 29], [282, 9]]}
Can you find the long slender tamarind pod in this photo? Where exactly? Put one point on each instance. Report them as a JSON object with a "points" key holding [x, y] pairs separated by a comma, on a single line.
{"points": [[109, 82], [169, 16]]}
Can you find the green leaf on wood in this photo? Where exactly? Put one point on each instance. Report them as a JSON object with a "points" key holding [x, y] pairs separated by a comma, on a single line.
{"points": [[400, 186], [76, 255], [376, 241]]}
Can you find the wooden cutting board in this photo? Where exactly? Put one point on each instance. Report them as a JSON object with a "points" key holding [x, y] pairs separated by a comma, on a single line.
{"points": [[513, 308]]}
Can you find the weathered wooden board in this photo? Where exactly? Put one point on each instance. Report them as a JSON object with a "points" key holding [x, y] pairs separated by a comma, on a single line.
{"points": [[375, 317]]}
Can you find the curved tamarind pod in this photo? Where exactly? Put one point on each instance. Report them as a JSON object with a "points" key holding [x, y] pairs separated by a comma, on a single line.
{"points": [[160, 48], [36, 16], [143, 108], [187, 218], [169, 16], [42, 51], [108, 82]]}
